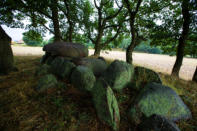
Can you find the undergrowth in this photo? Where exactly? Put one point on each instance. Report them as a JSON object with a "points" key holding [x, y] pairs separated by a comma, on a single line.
{"points": [[23, 109]]}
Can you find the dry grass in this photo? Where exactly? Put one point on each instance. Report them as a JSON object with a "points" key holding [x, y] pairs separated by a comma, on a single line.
{"points": [[24, 109]]}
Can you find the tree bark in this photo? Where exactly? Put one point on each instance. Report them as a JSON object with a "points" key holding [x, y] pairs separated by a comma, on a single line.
{"points": [[55, 20], [6, 54], [70, 32], [131, 47], [132, 15], [129, 52], [97, 49], [195, 75], [182, 39]]}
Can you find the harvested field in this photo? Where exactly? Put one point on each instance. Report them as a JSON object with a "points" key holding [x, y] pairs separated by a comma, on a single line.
{"points": [[159, 63]]}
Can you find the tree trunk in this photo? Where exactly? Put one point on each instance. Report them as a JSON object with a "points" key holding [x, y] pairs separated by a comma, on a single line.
{"points": [[97, 49], [55, 20], [131, 47], [182, 39], [70, 32], [129, 51], [132, 15], [97, 44], [6, 55], [195, 75]]}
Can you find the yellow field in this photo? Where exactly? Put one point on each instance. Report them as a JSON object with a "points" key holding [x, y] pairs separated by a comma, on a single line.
{"points": [[158, 63]]}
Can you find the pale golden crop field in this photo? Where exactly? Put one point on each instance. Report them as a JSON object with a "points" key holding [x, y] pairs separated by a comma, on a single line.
{"points": [[159, 63]]}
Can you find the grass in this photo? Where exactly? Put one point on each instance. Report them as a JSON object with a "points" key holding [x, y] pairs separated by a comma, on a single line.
{"points": [[22, 108]]}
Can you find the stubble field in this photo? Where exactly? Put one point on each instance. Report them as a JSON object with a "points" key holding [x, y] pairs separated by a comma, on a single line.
{"points": [[158, 63]]}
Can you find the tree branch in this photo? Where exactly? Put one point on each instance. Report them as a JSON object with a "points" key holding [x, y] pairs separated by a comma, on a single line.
{"points": [[111, 26], [113, 16], [96, 5], [114, 37]]}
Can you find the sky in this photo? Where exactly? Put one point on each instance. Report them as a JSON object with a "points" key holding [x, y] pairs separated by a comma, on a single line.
{"points": [[17, 34]]}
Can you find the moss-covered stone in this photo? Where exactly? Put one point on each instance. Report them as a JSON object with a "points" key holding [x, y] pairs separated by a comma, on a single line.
{"points": [[46, 82], [98, 66], [118, 74], [161, 100], [43, 70], [157, 123], [62, 67], [106, 104], [83, 78], [67, 49], [142, 76], [49, 60]]}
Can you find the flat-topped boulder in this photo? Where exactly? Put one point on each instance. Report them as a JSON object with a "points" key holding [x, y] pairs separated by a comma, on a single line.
{"points": [[66, 49]]}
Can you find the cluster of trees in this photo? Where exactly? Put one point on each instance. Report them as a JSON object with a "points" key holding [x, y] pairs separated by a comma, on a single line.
{"points": [[170, 24]]}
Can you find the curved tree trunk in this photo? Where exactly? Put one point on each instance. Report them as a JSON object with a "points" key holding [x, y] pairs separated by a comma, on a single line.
{"points": [[182, 39], [6, 54], [195, 75]]}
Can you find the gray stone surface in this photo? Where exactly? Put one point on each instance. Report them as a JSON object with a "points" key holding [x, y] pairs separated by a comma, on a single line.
{"points": [[160, 100]]}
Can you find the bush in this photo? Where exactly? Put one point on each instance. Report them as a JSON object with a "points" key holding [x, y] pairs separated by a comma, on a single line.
{"points": [[32, 38], [146, 48]]}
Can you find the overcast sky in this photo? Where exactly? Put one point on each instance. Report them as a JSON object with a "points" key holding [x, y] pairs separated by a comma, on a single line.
{"points": [[16, 34]]}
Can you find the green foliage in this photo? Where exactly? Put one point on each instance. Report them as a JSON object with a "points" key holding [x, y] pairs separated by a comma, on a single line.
{"points": [[32, 38], [102, 23], [148, 49], [167, 33]]}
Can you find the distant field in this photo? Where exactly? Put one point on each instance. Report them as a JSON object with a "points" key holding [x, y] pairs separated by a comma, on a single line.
{"points": [[159, 63]]}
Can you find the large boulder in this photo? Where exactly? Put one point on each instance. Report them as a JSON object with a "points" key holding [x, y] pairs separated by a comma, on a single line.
{"points": [[46, 82], [106, 104], [43, 70], [6, 54], [118, 74], [143, 76], [61, 67], [157, 123], [66, 49], [98, 66], [83, 78], [160, 100], [48, 60]]}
